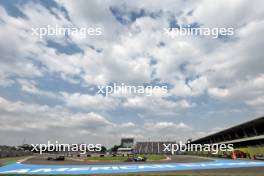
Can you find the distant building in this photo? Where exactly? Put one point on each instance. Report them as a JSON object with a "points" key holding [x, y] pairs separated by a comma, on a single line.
{"points": [[127, 142], [125, 151], [152, 147], [126, 146]]}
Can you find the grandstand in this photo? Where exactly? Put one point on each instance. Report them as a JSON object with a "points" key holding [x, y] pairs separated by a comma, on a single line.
{"points": [[247, 137], [126, 146], [152, 147], [127, 142]]}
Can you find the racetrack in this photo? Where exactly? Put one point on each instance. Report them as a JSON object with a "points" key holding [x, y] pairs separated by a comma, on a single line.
{"points": [[40, 160], [177, 165]]}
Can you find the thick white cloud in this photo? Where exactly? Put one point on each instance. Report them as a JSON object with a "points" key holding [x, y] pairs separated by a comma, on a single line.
{"points": [[234, 13], [152, 103], [192, 88], [34, 117], [42, 123], [167, 125], [216, 92], [20, 119], [87, 101]]}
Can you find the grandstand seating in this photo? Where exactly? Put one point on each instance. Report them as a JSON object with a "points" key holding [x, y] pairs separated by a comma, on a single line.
{"points": [[152, 147], [246, 137]]}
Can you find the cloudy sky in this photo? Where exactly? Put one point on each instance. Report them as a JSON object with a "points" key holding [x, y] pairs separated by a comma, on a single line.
{"points": [[48, 85]]}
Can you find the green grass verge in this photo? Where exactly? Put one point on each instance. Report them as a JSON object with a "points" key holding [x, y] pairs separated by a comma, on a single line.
{"points": [[10, 160]]}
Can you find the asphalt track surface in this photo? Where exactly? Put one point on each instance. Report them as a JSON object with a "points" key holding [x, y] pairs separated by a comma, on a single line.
{"points": [[217, 166], [172, 159]]}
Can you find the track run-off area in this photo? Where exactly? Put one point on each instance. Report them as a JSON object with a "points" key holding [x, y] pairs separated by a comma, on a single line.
{"points": [[18, 168]]}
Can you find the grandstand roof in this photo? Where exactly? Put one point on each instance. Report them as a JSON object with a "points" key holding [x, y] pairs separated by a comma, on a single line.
{"points": [[253, 122], [244, 139], [124, 149]]}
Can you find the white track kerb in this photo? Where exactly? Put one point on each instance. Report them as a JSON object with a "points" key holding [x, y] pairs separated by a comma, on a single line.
{"points": [[124, 168]]}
